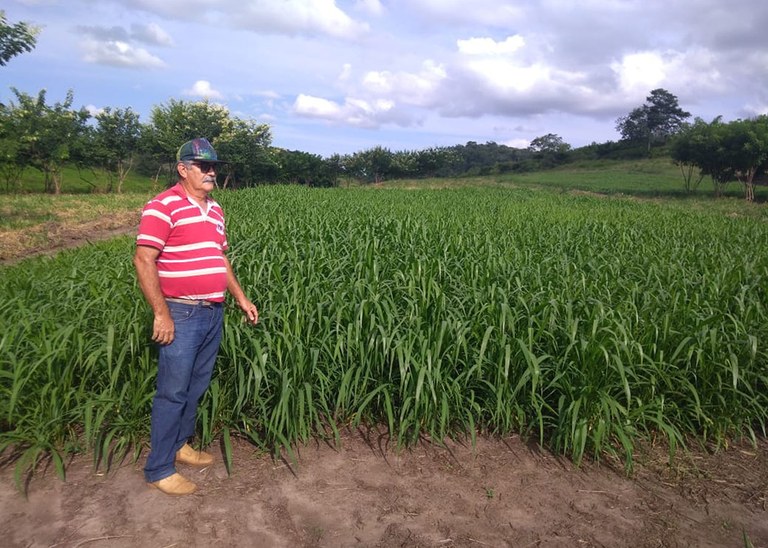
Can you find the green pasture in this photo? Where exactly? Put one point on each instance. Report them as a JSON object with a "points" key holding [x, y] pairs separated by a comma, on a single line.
{"points": [[583, 322], [81, 181], [648, 178]]}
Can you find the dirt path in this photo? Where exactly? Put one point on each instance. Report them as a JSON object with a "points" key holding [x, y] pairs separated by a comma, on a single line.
{"points": [[504, 493], [52, 237]]}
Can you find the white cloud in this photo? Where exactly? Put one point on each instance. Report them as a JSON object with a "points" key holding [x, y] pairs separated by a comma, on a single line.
{"points": [[309, 17], [372, 7], [380, 97], [316, 107], [509, 78], [640, 72], [501, 76], [113, 45], [268, 94], [93, 110], [483, 12], [105, 34], [517, 143], [203, 89], [354, 111], [757, 110], [119, 54], [695, 71], [151, 34], [489, 46], [291, 17], [407, 88], [346, 72]]}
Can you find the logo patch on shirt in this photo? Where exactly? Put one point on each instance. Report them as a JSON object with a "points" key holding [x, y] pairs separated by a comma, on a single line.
{"points": [[220, 228]]}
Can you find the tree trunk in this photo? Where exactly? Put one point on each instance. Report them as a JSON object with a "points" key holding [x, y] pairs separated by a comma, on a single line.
{"points": [[56, 182], [156, 178], [747, 179], [122, 173]]}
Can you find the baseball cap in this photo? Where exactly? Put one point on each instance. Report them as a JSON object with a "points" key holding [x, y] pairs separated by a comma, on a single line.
{"points": [[198, 149]]}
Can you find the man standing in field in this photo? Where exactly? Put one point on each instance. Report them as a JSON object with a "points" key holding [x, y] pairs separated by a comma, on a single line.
{"points": [[183, 272]]}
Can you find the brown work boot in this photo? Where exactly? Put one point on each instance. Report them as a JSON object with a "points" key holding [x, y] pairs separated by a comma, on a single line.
{"points": [[175, 484], [187, 455]]}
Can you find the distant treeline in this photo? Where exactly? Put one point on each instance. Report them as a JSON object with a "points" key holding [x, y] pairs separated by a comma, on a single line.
{"points": [[113, 142], [46, 137]]}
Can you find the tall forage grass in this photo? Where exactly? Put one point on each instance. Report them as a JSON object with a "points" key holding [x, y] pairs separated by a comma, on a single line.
{"points": [[585, 323]]}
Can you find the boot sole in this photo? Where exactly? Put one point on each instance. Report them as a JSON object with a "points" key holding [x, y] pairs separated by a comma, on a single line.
{"points": [[153, 486]]}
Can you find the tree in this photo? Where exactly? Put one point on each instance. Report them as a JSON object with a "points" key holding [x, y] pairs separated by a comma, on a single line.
{"points": [[736, 150], [655, 121], [181, 121], [708, 149], [747, 145], [46, 134], [549, 143], [304, 168], [372, 165], [404, 165], [550, 150], [335, 167], [15, 39], [246, 146], [684, 154], [432, 161], [12, 163], [116, 141]]}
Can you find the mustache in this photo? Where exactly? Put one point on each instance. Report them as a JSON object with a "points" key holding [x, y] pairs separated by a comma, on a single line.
{"points": [[210, 180]]}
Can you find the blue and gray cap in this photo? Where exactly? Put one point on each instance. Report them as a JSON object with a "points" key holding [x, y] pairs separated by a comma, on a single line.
{"points": [[198, 150]]}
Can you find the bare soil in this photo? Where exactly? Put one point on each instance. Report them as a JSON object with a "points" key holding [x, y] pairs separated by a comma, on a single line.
{"points": [[502, 492], [55, 236]]}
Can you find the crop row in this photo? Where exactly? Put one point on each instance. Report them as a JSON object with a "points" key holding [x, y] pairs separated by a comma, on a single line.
{"points": [[586, 323]]}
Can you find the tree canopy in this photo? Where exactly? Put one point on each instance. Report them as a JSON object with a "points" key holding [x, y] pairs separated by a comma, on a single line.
{"points": [[45, 134], [15, 38], [655, 121], [724, 151]]}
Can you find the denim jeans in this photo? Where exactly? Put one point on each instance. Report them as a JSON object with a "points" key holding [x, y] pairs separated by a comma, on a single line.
{"points": [[183, 374]]}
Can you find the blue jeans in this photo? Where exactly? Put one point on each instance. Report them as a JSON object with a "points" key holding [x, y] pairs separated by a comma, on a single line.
{"points": [[183, 375]]}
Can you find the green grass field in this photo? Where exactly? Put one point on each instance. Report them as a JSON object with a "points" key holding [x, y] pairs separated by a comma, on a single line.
{"points": [[581, 320], [76, 181]]}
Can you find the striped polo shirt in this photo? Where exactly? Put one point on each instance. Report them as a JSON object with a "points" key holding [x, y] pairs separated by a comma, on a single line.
{"points": [[191, 240]]}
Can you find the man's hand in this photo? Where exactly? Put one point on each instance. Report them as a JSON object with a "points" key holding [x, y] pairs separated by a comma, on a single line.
{"points": [[163, 330], [250, 311]]}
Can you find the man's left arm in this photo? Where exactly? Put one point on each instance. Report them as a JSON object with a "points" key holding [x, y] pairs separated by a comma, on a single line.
{"points": [[248, 308]]}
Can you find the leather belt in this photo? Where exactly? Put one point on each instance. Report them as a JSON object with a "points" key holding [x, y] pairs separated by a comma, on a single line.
{"points": [[193, 302]]}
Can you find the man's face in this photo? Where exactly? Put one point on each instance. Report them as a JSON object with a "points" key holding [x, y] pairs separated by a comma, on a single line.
{"points": [[199, 176]]}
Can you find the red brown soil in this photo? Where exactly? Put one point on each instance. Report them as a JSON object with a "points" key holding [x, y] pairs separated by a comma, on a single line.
{"points": [[501, 493]]}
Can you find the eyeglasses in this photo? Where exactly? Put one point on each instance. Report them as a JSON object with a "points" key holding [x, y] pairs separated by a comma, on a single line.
{"points": [[205, 167]]}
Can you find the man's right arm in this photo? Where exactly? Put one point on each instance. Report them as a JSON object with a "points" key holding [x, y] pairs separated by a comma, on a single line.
{"points": [[146, 270]]}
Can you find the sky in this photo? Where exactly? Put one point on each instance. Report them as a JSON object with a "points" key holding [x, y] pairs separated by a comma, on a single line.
{"points": [[342, 76]]}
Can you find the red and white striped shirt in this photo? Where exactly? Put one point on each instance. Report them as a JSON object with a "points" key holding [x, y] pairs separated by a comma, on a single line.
{"points": [[191, 240]]}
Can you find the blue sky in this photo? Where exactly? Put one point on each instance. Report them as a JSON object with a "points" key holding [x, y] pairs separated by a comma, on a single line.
{"points": [[339, 76]]}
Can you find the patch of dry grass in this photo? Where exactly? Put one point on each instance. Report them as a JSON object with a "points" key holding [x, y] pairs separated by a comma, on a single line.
{"points": [[34, 223]]}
